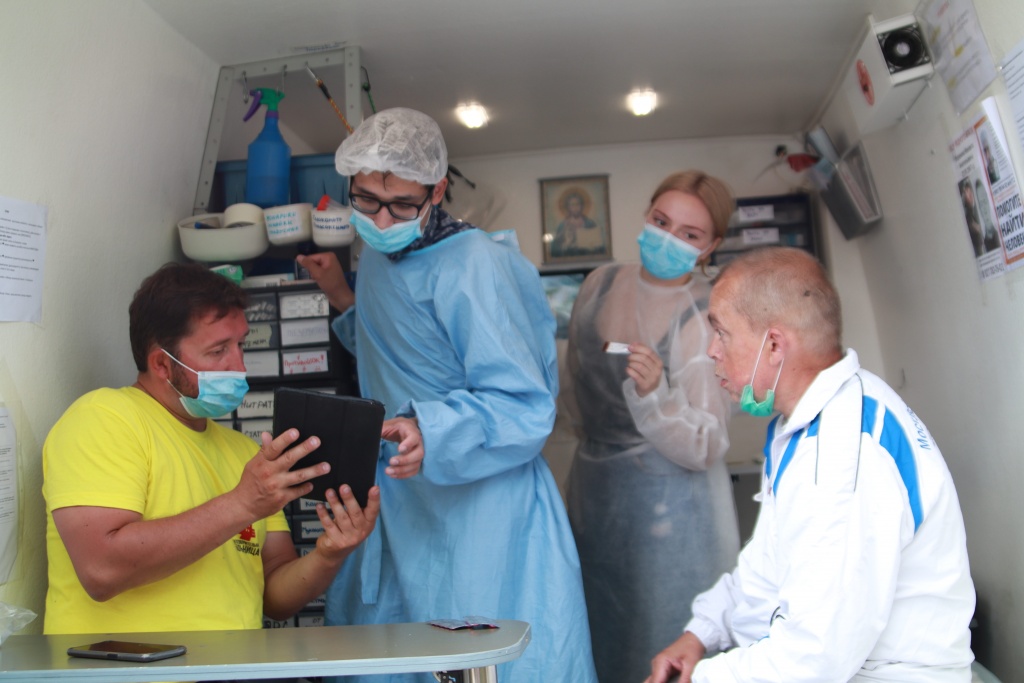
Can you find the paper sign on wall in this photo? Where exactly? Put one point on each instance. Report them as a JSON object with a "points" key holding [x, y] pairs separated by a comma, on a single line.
{"points": [[961, 53], [22, 248], [989, 194], [8, 495]]}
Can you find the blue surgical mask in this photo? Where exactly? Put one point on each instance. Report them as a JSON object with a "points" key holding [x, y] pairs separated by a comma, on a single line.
{"points": [[219, 392], [392, 239], [664, 255], [748, 403]]}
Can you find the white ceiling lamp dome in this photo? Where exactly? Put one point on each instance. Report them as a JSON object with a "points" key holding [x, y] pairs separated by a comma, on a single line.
{"points": [[472, 115], [642, 102]]}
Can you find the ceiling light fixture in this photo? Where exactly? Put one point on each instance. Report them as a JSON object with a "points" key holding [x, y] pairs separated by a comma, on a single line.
{"points": [[642, 102], [472, 115]]}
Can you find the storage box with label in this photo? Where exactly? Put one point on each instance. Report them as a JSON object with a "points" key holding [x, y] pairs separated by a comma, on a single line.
{"points": [[262, 335], [306, 529], [306, 362], [262, 307]]}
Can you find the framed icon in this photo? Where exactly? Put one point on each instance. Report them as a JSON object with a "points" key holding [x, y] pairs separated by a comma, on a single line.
{"points": [[575, 219]]}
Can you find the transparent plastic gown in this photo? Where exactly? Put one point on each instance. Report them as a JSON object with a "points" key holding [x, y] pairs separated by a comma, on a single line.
{"points": [[650, 500]]}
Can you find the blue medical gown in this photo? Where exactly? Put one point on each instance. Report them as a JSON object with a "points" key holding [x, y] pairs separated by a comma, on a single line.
{"points": [[461, 335]]}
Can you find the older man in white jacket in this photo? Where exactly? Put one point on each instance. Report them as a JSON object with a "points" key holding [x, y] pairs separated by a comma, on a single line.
{"points": [[857, 569]]}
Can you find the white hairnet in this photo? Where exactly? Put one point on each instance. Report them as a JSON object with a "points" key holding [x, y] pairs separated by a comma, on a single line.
{"points": [[401, 141]]}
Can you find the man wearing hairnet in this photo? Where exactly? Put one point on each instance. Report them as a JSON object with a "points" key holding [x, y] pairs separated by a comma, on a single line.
{"points": [[452, 330]]}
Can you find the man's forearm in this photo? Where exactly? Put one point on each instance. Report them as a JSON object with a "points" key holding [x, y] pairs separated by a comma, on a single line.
{"points": [[133, 552], [291, 586]]}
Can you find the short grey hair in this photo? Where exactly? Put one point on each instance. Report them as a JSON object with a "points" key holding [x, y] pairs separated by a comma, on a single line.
{"points": [[788, 287]]}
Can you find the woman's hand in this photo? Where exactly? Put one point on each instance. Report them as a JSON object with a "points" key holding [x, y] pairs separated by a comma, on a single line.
{"points": [[645, 368]]}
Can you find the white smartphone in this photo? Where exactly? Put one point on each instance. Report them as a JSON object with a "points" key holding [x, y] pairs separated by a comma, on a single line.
{"points": [[126, 651]]}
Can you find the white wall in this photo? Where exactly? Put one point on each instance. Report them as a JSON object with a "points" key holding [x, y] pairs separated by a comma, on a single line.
{"points": [[950, 342], [104, 120]]}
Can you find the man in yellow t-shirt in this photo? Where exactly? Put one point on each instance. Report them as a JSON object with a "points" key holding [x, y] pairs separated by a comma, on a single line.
{"points": [[158, 519]]}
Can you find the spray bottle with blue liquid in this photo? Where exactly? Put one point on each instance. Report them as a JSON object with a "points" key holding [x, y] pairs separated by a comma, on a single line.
{"points": [[269, 164]]}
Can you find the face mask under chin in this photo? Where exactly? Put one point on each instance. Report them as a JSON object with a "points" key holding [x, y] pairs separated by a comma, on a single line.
{"points": [[751, 405]]}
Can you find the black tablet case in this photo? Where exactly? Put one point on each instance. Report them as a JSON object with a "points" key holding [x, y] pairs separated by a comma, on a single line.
{"points": [[349, 431]]}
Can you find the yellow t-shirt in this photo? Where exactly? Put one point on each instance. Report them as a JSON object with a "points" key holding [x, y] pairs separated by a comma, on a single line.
{"points": [[119, 448]]}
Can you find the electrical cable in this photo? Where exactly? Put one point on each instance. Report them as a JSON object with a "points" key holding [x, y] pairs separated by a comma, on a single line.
{"points": [[366, 89]]}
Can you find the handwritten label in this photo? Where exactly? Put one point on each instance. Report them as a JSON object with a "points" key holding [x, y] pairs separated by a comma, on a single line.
{"points": [[261, 307], [261, 336], [278, 623], [305, 362], [306, 305], [262, 364], [304, 505], [310, 529], [284, 223], [752, 236], [306, 620], [297, 332], [751, 214], [253, 429], [335, 222], [257, 404]]}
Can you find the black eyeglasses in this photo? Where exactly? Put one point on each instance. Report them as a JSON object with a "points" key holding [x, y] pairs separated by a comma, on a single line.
{"points": [[402, 210]]}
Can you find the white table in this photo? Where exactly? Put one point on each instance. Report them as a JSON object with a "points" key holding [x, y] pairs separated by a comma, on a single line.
{"points": [[274, 653]]}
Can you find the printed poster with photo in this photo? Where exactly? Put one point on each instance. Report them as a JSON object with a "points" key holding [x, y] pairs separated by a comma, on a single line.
{"points": [[989, 194]]}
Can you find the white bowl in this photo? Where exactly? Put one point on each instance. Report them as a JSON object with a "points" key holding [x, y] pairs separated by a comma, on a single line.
{"points": [[216, 244], [331, 227], [288, 224]]}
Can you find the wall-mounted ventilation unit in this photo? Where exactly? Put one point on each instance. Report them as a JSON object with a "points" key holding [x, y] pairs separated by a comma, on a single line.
{"points": [[888, 74]]}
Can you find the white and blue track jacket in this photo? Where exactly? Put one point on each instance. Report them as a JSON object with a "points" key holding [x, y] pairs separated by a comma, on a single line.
{"points": [[857, 569]]}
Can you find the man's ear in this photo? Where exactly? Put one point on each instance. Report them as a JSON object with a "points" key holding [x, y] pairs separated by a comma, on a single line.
{"points": [[159, 363], [437, 196], [778, 345]]}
